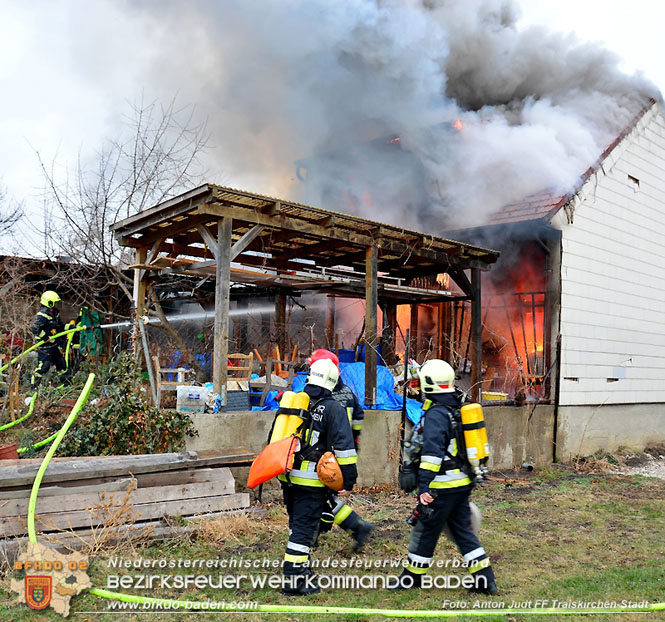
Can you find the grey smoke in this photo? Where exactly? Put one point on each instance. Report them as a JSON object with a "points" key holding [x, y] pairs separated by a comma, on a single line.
{"points": [[315, 82]]}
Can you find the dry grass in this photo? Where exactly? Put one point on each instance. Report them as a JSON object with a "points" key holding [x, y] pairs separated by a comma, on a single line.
{"points": [[241, 528]]}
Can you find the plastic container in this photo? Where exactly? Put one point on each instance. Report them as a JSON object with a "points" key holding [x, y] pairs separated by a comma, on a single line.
{"points": [[494, 396], [191, 399]]}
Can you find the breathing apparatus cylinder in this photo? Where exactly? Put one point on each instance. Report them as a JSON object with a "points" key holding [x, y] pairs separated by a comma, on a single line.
{"points": [[475, 438], [279, 429], [300, 402]]}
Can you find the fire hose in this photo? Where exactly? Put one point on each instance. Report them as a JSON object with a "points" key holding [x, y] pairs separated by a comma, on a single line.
{"points": [[24, 417], [195, 605], [42, 342]]}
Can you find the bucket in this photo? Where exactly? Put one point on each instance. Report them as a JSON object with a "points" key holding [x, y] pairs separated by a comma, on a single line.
{"points": [[9, 452]]}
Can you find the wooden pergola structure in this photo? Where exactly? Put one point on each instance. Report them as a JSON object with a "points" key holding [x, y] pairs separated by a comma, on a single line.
{"points": [[242, 237]]}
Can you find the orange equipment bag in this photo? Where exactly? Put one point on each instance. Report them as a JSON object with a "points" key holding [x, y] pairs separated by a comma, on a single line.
{"points": [[329, 472], [275, 459]]}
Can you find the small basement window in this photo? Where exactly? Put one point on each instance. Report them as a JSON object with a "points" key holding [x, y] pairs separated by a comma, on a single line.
{"points": [[572, 379], [612, 380], [634, 180]]}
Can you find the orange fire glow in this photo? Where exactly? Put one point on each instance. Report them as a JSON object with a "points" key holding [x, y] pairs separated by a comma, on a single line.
{"points": [[458, 125]]}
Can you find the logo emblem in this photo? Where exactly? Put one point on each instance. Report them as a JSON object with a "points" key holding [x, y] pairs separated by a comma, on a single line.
{"points": [[38, 591]]}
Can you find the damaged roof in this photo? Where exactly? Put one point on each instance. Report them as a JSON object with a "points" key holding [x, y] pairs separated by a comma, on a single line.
{"points": [[544, 204]]}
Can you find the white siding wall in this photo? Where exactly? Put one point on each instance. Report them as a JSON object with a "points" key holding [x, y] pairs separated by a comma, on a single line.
{"points": [[613, 276]]}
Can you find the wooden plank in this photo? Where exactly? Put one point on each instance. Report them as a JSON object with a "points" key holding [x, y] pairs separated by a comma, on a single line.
{"points": [[371, 341], [81, 501], [50, 491], [222, 298], [15, 526], [122, 465]]}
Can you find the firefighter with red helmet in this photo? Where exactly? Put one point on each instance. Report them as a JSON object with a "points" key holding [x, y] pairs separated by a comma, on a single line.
{"points": [[337, 512], [304, 493], [443, 486]]}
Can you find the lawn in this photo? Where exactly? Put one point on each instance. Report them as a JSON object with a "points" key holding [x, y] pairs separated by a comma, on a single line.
{"points": [[556, 534]]}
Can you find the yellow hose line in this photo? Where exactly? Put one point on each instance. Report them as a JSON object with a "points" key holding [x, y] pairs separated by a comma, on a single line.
{"points": [[40, 343], [24, 417], [313, 609], [82, 399]]}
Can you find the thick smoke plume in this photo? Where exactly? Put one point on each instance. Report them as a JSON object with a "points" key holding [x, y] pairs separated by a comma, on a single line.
{"points": [[361, 100]]}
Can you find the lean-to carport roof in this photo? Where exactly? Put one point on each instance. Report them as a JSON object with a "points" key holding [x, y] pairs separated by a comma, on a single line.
{"points": [[275, 241]]}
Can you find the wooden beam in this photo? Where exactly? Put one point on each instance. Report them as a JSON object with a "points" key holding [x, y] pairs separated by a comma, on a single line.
{"points": [[333, 233], [330, 323], [476, 337], [138, 295], [208, 239], [413, 332], [462, 280], [245, 241], [280, 327], [222, 296], [371, 340], [155, 215]]}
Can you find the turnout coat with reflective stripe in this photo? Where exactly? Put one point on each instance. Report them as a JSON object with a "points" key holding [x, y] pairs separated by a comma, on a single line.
{"points": [[331, 431], [440, 469], [48, 322]]}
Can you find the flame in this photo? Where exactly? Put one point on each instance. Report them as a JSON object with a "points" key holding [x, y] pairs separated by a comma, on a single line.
{"points": [[395, 140], [443, 279], [458, 125]]}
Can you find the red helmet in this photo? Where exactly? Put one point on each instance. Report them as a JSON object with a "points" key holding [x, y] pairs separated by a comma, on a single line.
{"points": [[319, 354]]}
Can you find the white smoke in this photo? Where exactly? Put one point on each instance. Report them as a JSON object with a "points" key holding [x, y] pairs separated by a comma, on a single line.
{"points": [[283, 81]]}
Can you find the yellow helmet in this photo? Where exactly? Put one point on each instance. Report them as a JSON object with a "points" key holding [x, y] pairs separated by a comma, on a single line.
{"points": [[436, 376], [49, 299]]}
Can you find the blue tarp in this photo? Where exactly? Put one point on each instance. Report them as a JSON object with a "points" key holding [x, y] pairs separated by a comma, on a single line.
{"points": [[353, 375]]}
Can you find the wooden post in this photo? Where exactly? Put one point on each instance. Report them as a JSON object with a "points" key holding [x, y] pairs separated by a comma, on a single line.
{"points": [[138, 298], [330, 322], [440, 332], [222, 296], [390, 322], [371, 297], [280, 329], [476, 336], [241, 326], [413, 331]]}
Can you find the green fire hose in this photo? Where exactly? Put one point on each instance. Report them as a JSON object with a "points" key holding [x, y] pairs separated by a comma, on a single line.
{"points": [[24, 417], [184, 605], [41, 343]]}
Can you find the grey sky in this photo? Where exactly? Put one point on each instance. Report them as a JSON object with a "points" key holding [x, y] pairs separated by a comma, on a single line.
{"points": [[68, 68]]}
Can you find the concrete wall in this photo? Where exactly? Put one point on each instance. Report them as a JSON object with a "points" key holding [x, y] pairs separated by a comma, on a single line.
{"points": [[512, 438], [583, 430]]}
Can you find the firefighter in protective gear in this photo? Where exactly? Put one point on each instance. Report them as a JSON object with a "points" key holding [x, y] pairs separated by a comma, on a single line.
{"points": [[337, 512], [443, 486], [304, 494], [47, 323]]}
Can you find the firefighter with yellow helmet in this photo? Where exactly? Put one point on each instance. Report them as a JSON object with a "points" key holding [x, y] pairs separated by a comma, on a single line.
{"points": [[443, 486], [304, 493], [47, 323]]}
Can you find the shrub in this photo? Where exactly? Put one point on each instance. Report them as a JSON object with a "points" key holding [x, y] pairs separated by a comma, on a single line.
{"points": [[122, 420]]}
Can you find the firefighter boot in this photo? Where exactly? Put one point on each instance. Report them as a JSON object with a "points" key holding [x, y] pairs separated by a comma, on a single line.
{"points": [[407, 580], [300, 584], [484, 582], [361, 534]]}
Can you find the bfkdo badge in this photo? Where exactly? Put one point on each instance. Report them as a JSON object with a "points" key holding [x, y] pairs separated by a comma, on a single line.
{"points": [[38, 591]]}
